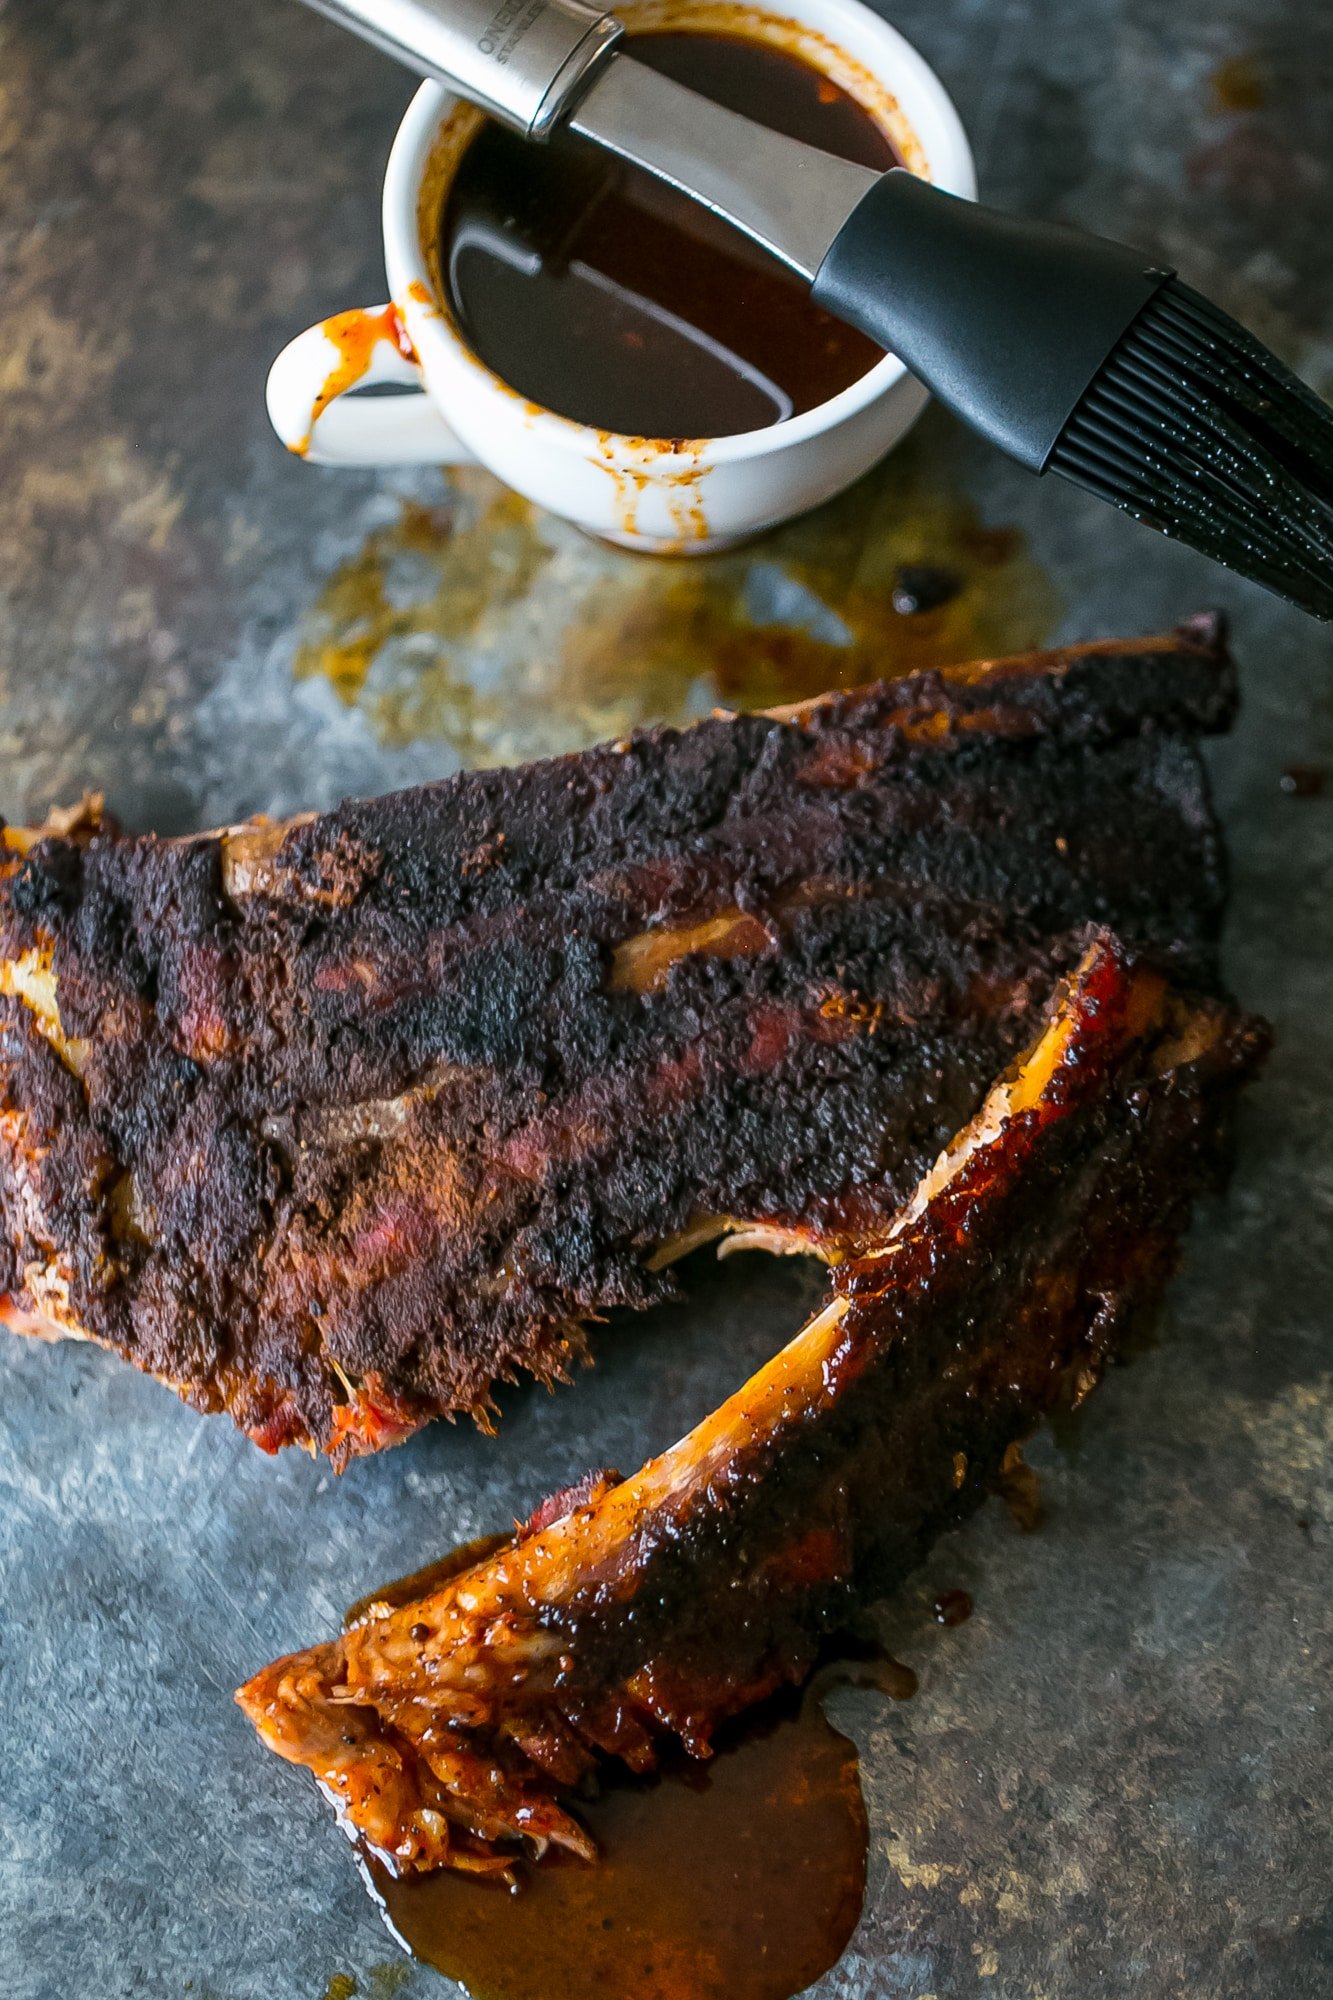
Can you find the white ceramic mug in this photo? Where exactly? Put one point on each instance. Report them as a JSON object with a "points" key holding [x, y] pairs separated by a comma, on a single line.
{"points": [[666, 496]]}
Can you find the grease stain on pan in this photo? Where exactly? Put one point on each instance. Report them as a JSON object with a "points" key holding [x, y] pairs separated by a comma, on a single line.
{"points": [[487, 626]]}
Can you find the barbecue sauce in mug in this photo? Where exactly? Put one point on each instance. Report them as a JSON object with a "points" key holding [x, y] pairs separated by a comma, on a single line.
{"points": [[601, 293]]}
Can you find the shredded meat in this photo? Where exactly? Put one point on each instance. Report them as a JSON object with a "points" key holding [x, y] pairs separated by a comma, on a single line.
{"points": [[449, 1731], [334, 1124]]}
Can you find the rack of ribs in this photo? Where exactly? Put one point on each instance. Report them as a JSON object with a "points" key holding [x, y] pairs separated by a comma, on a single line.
{"points": [[449, 1730], [337, 1123]]}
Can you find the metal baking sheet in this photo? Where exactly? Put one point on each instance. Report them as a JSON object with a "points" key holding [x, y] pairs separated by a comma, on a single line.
{"points": [[1114, 1779]]}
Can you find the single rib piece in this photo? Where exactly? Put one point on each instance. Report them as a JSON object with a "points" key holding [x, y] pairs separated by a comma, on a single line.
{"points": [[334, 1124], [444, 1730]]}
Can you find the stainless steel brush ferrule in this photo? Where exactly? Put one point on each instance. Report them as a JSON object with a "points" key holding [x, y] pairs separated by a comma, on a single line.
{"points": [[525, 61]]}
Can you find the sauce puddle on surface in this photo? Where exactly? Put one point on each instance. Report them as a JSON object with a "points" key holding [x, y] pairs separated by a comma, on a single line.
{"points": [[740, 1878], [596, 290], [737, 1877]]}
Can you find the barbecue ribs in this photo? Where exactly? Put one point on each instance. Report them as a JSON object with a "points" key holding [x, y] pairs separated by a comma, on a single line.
{"points": [[446, 1729], [335, 1124]]}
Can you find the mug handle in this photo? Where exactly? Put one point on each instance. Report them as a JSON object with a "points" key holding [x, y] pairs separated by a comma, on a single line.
{"points": [[312, 412]]}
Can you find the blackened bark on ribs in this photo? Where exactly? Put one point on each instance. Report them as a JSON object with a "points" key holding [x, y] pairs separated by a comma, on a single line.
{"points": [[336, 1124], [445, 1729]]}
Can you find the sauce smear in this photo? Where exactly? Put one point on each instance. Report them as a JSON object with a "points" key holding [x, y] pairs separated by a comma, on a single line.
{"points": [[738, 1879], [601, 293], [953, 1607]]}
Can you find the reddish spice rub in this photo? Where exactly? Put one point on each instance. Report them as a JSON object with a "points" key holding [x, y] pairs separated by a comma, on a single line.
{"points": [[333, 1125], [451, 1731]]}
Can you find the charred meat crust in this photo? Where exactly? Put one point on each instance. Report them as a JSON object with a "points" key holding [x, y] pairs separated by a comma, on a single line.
{"points": [[336, 1124], [669, 1601]]}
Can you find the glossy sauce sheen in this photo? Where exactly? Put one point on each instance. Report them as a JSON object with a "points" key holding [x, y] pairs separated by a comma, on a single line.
{"points": [[599, 292], [738, 1879], [421, 1582]]}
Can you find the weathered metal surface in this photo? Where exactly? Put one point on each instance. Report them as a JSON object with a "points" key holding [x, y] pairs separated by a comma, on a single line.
{"points": [[1115, 1777]]}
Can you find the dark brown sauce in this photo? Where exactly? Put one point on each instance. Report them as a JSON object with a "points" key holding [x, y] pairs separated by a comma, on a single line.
{"points": [[738, 1879], [599, 292], [1303, 781], [953, 1607], [922, 587]]}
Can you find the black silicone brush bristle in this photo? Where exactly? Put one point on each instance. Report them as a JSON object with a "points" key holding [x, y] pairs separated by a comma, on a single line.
{"points": [[1193, 427]]}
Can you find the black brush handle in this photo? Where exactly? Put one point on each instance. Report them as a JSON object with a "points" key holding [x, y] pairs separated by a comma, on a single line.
{"points": [[1006, 321]]}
